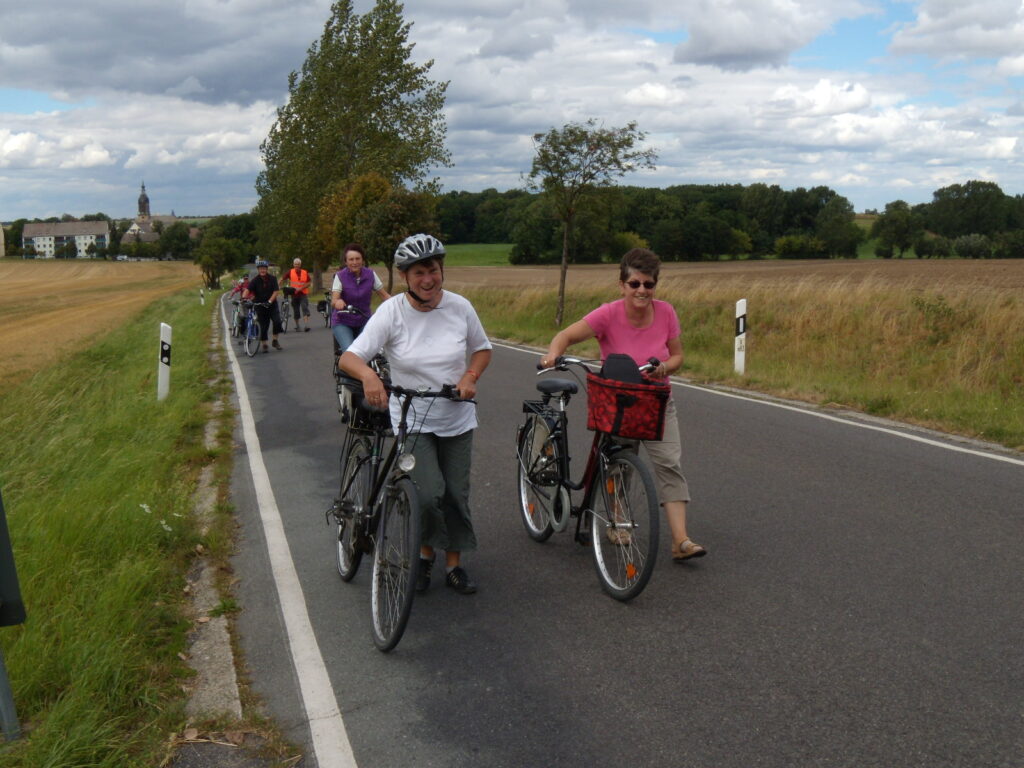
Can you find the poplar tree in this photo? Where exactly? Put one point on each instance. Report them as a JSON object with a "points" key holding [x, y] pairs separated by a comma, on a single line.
{"points": [[359, 104]]}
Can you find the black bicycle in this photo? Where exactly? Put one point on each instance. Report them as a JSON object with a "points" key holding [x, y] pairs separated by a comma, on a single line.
{"points": [[324, 308], [252, 328], [618, 514], [377, 510]]}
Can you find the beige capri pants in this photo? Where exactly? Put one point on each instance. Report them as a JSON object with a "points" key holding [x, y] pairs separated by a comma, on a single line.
{"points": [[666, 456]]}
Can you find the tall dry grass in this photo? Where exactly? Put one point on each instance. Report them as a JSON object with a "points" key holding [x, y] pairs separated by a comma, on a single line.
{"points": [[949, 356]]}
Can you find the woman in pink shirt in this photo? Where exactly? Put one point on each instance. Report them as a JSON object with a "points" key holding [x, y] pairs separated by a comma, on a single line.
{"points": [[642, 327]]}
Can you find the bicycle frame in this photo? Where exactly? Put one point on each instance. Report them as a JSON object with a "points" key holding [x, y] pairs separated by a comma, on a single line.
{"points": [[601, 447]]}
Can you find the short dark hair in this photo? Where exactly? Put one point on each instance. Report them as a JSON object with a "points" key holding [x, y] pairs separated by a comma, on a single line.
{"points": [[353, 247], [641, 260]]}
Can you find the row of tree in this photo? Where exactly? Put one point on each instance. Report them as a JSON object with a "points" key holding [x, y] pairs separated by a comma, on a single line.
{"points": [[694, 222]]}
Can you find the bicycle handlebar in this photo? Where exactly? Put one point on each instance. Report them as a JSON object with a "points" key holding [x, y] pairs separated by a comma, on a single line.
{"points": [[447, 391], [562, 363], [350, 310]]}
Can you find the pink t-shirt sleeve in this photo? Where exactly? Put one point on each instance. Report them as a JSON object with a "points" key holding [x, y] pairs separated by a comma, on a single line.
{"points": [[615, 334]]}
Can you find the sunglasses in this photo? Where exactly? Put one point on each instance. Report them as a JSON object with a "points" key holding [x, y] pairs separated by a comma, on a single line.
{"points": [[648, 284]]}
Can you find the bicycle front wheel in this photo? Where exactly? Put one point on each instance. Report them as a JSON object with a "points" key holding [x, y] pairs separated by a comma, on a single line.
{"points": [[353, 501], [539, 491], [624, 525], [286, 314], [396, 561], [252, 337]]}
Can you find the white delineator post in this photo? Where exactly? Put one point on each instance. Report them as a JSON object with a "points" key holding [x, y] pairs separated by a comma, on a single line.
{"points": [[202, 297], [163, 368], [741, 336]]}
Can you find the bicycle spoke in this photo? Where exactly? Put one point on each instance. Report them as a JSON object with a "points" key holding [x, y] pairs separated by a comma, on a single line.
{"points": [[624, 526]]}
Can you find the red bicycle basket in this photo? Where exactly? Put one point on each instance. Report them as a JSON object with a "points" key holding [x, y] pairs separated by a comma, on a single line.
{"points": [[631, 411]]}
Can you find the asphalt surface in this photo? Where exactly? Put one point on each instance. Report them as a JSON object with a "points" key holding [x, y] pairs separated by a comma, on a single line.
{"points": [[861, 603]]}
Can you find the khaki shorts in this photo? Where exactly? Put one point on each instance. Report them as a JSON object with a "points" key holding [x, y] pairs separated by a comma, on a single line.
{"points": [[666, 456]]}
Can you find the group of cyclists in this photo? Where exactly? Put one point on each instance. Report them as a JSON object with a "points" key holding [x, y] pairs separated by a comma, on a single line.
{"points": [[433, 337]]}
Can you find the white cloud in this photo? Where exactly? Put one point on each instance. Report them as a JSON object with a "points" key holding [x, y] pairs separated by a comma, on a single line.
{"points": [[744, 34], [963, 28], [185, 100]]}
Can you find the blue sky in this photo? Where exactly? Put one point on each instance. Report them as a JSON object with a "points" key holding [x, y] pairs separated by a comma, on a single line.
{"points": [[878, 100]]}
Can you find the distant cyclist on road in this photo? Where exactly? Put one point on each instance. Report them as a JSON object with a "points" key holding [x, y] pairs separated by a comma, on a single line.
{"points": [[431, 337], [263, 289], [353, 285], [298, 280]]}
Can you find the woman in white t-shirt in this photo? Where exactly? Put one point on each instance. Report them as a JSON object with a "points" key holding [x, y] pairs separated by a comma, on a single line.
{"points": [[431, 337]]}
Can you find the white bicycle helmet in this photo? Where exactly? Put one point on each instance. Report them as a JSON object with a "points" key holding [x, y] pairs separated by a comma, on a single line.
{"points": [[417, 248]]}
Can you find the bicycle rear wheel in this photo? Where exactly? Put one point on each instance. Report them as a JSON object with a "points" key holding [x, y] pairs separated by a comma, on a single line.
{"points": [[624, 525], [285, 310], [352, 506], [252, 337], [540, 496], [396, 561]]}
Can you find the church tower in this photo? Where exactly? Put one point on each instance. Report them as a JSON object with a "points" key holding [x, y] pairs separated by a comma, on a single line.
{"points": [[143, 204]]}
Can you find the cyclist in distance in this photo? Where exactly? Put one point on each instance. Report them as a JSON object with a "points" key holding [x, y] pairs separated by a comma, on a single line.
{"points": [[263, 289], [298, 279], [353, 284], [642, 327], [431, 337]]}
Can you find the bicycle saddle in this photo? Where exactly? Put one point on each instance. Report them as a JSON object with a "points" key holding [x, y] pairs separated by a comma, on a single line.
{"points": [[554, 386]]}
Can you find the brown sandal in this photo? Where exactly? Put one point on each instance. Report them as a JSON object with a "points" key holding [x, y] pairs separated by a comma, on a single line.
{"points": [[687, 550]]}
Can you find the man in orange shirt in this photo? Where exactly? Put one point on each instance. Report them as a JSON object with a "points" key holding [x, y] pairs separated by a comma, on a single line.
{"points": [[298, 278]]}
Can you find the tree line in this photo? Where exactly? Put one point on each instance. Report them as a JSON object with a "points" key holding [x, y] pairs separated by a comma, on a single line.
{"points": [[707, 222]]}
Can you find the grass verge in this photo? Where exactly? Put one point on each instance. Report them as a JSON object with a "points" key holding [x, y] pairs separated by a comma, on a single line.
{"points": [[949, 358], [97, 480]]}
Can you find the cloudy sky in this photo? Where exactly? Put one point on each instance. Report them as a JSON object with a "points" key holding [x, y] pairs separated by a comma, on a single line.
{"points": [[878, 99]]}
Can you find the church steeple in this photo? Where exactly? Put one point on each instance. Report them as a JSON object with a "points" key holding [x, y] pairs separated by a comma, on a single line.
{"points": [[143, 203]]}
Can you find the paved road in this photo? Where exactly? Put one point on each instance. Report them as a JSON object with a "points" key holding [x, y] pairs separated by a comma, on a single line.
{"points": [[861, 604]]}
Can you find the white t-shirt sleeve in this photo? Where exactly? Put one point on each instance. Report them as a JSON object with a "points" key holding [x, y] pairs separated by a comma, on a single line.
{"points": [[377, 284], [376, 333], [336, 285]]}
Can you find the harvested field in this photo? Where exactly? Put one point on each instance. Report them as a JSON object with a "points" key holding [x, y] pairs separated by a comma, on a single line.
{"points": [[51, 306], [925, 274]]}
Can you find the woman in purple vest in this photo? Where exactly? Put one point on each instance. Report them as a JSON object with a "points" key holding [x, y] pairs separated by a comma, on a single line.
{"points": [[353, 284]]}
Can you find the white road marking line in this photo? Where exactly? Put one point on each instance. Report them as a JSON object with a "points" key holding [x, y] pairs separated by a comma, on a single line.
{"points": [[827, 416], [331, 746]]}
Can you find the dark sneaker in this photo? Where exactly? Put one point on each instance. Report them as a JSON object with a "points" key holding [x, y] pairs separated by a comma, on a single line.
{"points": [[266, 348], [307, 329], [458, 580], [277, 344], [423, 577]]}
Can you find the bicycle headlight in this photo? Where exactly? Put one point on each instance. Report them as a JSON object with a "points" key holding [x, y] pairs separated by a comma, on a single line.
{"points": [[406, 462]]}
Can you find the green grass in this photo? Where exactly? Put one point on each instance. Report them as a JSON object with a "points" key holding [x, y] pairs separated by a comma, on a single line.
{"points": [[96, 478], [478, 255]]}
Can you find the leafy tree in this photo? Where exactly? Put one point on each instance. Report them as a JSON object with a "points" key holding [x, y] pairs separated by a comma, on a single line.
{"points": [[12, 236], [175, 241], [534, 234], [359, 104], [1010, 245], [836, 228], [799, 247], [898, 228], [371, 211], [973, 246], [976, 207], [217, 255], [573, 162]]}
